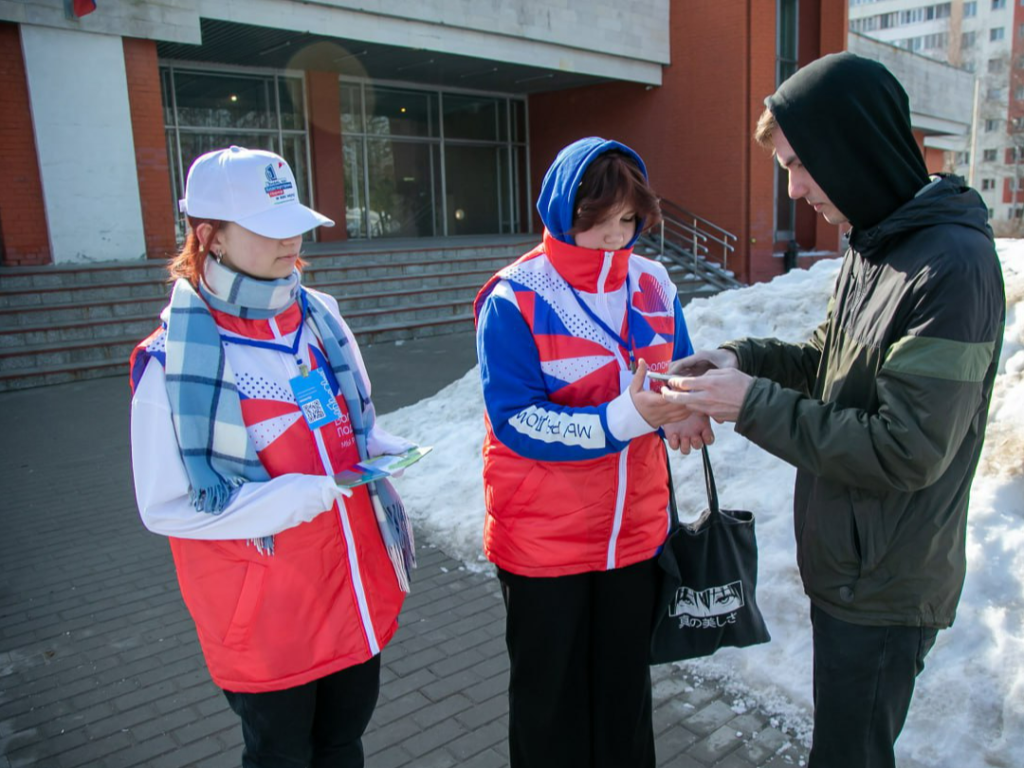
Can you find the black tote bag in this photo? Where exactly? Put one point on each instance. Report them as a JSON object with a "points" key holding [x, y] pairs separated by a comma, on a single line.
{"points": [[707, 598]]}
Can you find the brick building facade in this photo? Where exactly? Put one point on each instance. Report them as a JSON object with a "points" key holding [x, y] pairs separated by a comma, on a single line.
{"points": [[686, 93]]}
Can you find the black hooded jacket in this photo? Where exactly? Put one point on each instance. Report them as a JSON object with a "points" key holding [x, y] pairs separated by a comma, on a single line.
{"points": [[848, 120], [883, 410]]}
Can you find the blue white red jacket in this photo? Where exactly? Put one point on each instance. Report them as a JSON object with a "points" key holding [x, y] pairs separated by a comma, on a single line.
{"points": [[574, 478]]}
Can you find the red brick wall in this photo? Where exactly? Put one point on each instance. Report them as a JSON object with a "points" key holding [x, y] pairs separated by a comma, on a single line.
{"points": [[761, 73], [835, 20], [833, 24], [146, 107], [328, 163], [694, 131], [23, 233], [934, 159]]}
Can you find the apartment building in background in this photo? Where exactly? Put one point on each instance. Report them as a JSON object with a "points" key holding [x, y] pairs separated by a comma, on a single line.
{"points": [[986, 39]]}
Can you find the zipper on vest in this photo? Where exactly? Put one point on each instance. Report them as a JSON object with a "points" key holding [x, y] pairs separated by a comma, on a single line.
{"points": [[353, 557], [620, 503], [601, 302], [620, 493], [602, 293]]}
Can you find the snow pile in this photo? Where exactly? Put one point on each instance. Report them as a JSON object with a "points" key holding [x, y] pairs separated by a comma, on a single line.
{"points": [[969, 706]]}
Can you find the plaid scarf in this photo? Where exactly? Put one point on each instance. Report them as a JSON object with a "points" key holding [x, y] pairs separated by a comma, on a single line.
{"points": [[392, 520], [207, 412]]}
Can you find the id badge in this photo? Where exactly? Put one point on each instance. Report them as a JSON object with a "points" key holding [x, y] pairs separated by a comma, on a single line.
{"points": [[315, 399]]}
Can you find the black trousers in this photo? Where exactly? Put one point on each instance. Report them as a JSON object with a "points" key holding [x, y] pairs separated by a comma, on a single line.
{"points": [[863, 683], [316, 725], [580, 683]]}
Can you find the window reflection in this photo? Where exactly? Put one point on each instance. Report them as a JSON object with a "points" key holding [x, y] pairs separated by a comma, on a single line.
{"points": [[474, 190], [403, 189], [224, 101], [355, 203], [394, 152], [204, 111], [470, 117], [392, 112]]}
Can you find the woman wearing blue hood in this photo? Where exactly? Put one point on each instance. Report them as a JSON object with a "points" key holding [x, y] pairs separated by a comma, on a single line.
{"points": [[575, 479]]}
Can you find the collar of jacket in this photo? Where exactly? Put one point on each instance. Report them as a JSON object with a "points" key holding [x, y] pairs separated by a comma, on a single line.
{"points": [[949, 201], [287, 321], [582, 267]]}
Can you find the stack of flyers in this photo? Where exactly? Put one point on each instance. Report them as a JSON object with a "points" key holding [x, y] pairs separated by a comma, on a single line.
{"points": [[379, 467]]}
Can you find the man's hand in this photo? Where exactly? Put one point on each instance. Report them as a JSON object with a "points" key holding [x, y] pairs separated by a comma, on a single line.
{"points": [[655, 409], [718, 393], [693, 432], [700, 362]]}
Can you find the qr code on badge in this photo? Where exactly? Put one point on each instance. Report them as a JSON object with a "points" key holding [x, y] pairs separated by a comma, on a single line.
{"points": [[314, 411]]}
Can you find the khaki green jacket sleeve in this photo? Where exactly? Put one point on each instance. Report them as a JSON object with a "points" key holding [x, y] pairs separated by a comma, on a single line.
{"points": [[794, 366], [891, 417]]}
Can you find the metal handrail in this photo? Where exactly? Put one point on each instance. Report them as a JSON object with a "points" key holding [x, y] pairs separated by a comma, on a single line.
{"points": [[694, 237], [683, 230], [690, 215], [697, 266], [700, 229]]}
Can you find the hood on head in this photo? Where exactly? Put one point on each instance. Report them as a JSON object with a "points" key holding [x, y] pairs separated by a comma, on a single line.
{"points": [[848, 120], [557, 200]]}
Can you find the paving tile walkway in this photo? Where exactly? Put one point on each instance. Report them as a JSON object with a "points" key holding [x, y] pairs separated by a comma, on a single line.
{"points": [[99, 663]]}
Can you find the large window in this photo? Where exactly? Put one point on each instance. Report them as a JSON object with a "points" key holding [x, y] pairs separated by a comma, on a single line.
{"points": [[421, 163], [211, 109]]}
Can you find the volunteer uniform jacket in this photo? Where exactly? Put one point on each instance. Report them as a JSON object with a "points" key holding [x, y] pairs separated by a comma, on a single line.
{"points": [[574, 479], [327, 597]]}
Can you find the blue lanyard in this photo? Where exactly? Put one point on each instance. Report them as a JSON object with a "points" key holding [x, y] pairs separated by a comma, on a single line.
{"points": [[628, 346], [293, 350]]}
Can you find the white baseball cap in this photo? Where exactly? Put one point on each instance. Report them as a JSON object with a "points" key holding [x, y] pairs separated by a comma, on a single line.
{"points": [[252, 188]]}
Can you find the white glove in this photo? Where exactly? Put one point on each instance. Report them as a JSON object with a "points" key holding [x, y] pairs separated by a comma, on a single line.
{"points": [[333, 493]]}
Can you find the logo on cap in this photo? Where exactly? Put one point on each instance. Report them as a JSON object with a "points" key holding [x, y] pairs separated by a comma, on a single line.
{"points": [[277, 189]]}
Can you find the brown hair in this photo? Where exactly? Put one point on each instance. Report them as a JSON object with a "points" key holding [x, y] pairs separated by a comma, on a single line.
{"points": [[766, 126], [610, 181], [189, 262]]}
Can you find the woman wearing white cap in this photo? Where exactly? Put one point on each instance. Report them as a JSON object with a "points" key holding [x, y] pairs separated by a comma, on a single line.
{"points": [[247, 401]]}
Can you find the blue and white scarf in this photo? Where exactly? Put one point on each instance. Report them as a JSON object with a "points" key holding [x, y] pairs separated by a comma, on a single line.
{"points": [[207, 412]]}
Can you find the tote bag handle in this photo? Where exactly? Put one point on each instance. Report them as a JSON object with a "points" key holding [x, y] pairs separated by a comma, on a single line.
{"points": [[709, 482]]}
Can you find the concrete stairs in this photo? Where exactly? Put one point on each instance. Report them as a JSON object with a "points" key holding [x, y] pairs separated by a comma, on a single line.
{"points": [[66, 323]]}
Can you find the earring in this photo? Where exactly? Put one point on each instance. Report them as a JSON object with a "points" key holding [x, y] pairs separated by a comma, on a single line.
{"points": [[219, 256]]}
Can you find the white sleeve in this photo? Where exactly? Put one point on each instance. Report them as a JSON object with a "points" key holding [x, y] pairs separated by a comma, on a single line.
{"points": [[624, 420], [162, 486]]}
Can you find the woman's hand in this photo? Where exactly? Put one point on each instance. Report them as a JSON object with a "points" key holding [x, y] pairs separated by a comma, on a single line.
{"points": [[655, 409], [694, 432]]}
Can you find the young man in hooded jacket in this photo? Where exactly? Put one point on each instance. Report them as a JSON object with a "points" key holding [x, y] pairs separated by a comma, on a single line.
{"points": [[883, 410]]}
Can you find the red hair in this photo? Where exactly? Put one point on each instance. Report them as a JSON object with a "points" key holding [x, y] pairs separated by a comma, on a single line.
{"points": [[611, 181], [189, 263]]}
